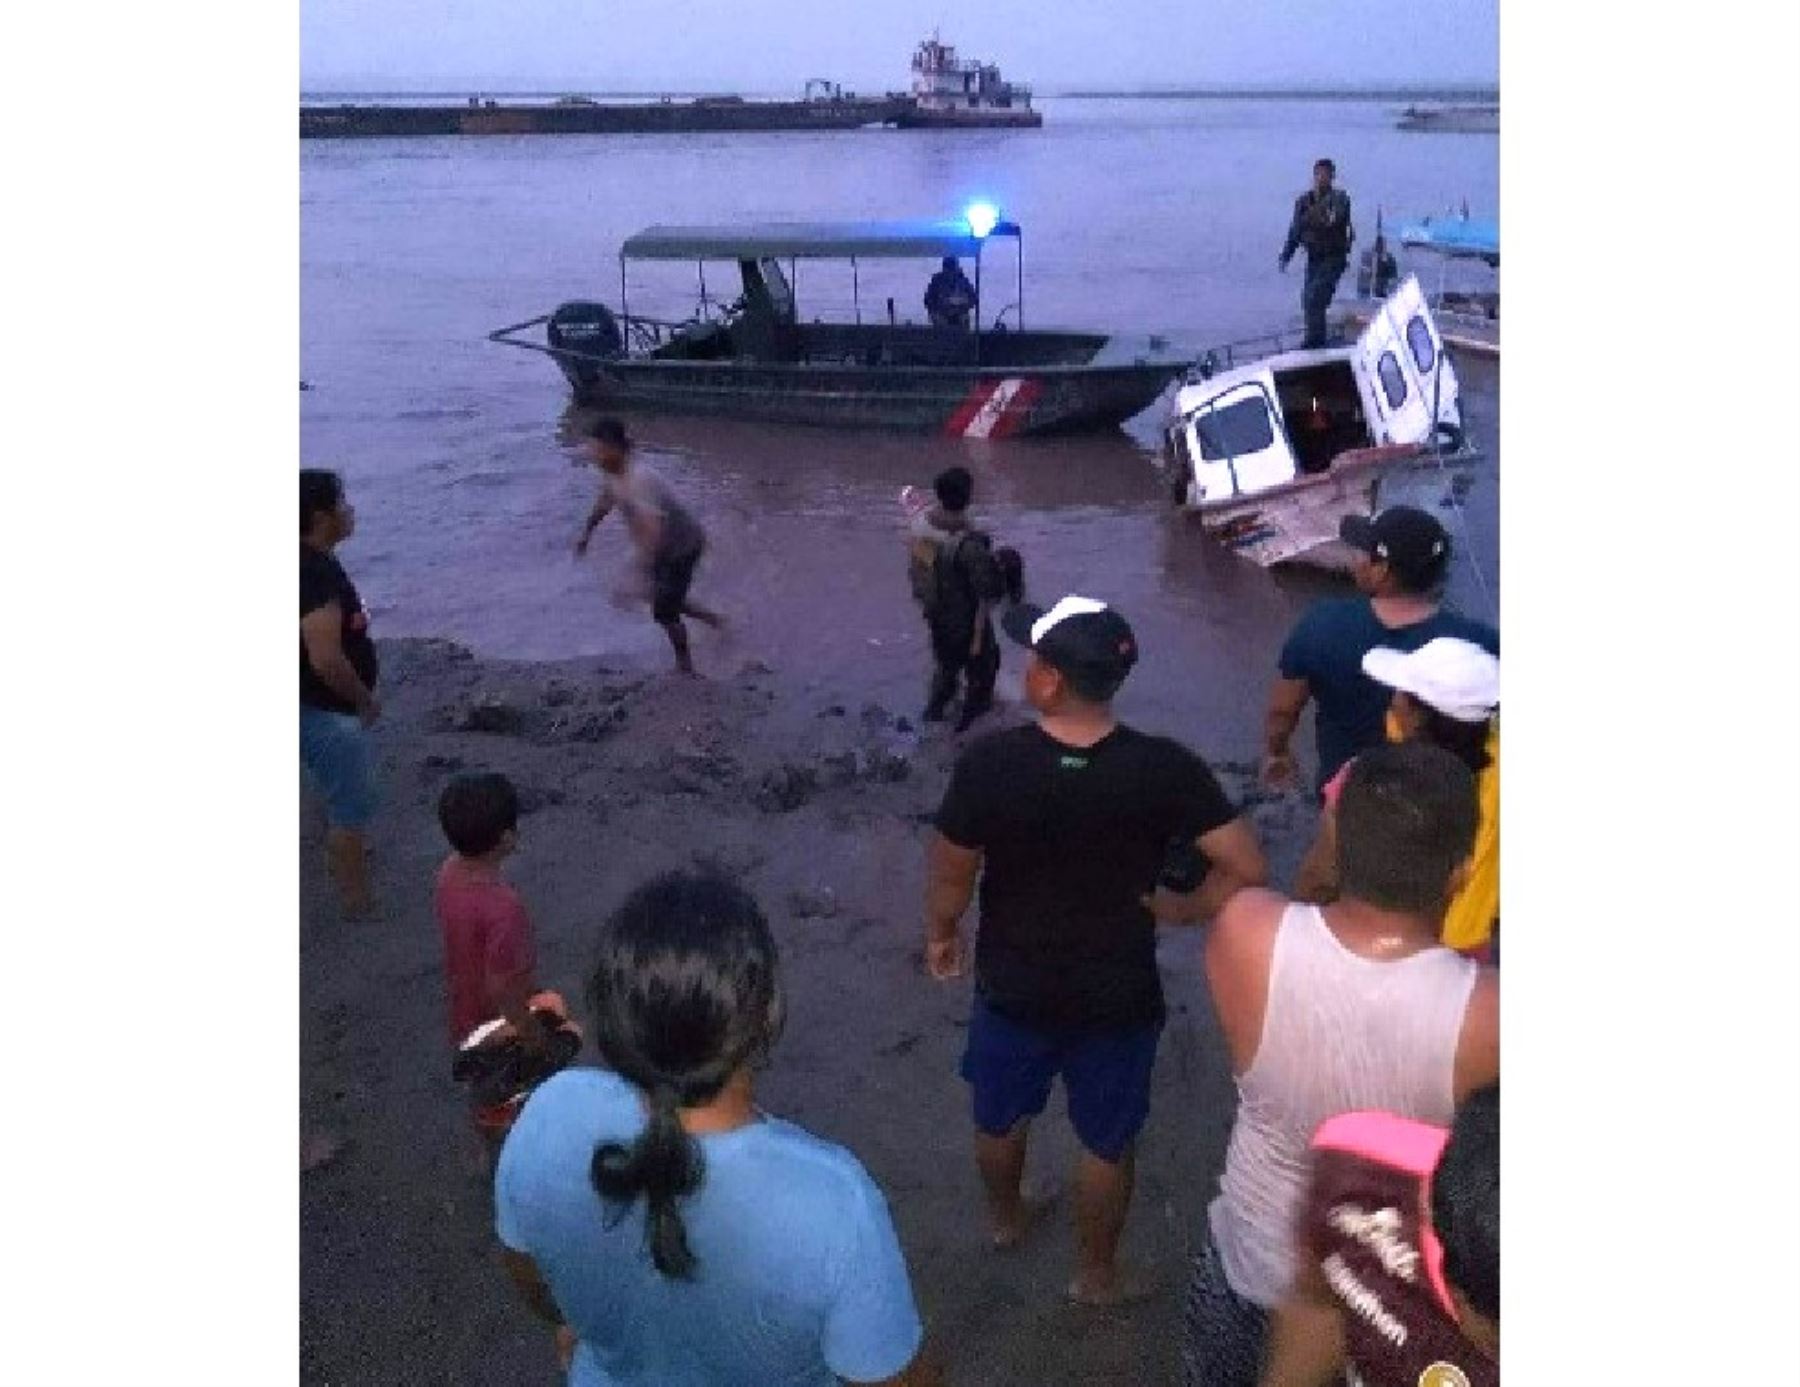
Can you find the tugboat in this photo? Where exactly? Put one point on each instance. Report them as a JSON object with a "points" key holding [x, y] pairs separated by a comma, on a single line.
{"points": [[963, 93]]}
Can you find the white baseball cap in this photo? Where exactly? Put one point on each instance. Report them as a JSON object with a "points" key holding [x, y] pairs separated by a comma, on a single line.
{"points": [[1456, 677]]}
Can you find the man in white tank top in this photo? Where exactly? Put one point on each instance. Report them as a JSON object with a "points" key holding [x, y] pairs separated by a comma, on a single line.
{"points": [[1325, 1011]]}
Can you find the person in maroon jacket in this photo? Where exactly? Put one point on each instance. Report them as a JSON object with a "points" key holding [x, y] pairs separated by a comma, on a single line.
{"points": [[1399, 1280]]}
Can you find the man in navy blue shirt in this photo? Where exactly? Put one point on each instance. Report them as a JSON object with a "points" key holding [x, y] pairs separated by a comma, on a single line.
{"points": [[1402, 555]]}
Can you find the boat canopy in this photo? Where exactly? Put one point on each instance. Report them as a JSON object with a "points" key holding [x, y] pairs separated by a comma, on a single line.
{"points": [[1474, 238], [913, 240]]}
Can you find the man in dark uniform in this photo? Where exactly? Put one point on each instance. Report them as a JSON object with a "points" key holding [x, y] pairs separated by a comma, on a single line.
{"points": [[949, 298], [1321, 224], [956, 580]]}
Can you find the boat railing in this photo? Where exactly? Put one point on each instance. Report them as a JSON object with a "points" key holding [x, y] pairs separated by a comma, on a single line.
{"points": [[1228, 356], [647, 334], [641, 335]]}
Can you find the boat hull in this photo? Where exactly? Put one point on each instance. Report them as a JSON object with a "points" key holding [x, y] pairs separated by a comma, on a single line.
{"points": [[1299, 521], [1295, 524], [594, 118], [967, 403], [1453, 120], [991, 119]]}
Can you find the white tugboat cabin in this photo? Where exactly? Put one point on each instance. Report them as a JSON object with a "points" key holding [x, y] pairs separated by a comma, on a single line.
{"points": [[952, 91]]}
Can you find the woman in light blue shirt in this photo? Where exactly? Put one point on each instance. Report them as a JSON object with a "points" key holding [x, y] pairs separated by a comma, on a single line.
{"points": [[681, 1235]]}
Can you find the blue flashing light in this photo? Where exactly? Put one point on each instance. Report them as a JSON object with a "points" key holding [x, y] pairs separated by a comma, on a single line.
{"points": [[982, 217]]}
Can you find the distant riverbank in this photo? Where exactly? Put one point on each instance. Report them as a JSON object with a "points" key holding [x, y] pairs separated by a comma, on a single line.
{"points": [[1478, 95]]}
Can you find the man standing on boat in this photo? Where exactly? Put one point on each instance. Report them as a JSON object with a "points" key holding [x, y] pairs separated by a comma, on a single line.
{"points": [[1321, 224], [949, 298], [669, 540]]}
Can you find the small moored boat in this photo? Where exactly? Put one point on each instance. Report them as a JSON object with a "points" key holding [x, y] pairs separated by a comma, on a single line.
{"points": [[1466, 299], [1273, 454], [1459, 120], [754, 358]]}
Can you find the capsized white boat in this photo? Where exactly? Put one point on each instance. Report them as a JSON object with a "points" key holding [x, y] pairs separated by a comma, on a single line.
{"points": [[1274, 453]]}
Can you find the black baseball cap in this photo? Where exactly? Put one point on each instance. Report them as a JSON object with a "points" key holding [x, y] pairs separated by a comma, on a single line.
{"points": [[1404, 536], [604, 429], [1079, 636]]}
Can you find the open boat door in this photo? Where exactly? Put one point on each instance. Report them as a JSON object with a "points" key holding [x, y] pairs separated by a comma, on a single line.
{"points": [[1407, 378]]}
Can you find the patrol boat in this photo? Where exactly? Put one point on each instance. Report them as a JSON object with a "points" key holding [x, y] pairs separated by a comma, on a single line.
{"points": [[752, 357], [1271, 454]]}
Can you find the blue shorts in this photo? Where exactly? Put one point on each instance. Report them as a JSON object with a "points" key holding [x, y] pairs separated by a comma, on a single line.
{"points": [[1106, 1074], [334, 748]]}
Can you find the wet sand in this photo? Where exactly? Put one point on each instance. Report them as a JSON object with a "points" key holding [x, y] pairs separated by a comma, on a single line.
{"points": [[411, 252], [820, 806], [797, 765]]}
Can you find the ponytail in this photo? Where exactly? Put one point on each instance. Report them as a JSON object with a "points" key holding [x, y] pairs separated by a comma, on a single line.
{"points": [[684, 995], [664, 1165]]}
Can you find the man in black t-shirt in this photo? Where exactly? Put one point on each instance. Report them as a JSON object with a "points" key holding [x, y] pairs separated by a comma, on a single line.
{"points": [[1072, 824], [338, 670]]}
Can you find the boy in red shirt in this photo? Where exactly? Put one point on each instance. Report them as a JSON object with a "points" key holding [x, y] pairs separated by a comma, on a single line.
{"points": [[489, 957]]}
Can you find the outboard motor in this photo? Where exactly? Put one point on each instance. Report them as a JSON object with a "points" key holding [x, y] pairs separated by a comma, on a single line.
{"points": [[1377, 272], [591, 330]]}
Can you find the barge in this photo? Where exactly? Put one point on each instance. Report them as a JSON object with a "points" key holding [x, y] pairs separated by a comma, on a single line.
{"points": [[947, 92], [580, 116]]}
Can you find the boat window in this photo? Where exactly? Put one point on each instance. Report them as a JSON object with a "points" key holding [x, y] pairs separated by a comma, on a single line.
{"points": [[1393, 380], [1234, 430], [1424, 351]]}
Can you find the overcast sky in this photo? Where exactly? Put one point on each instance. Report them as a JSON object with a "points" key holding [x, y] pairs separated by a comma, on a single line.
{"points": [[773, 46]]}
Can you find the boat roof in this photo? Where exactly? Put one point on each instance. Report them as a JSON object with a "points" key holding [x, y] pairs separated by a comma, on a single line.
{"points": [[1194, 392], [810, 241], [1474, 237]]}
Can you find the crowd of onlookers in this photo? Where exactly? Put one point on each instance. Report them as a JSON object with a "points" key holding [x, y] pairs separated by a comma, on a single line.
{"points": [[672, 1232]]}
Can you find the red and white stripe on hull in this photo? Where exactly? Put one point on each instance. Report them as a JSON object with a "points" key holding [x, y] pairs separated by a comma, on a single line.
{"points": [[994, 408]]}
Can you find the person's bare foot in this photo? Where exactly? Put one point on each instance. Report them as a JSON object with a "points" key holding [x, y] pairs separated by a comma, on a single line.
{"points": [[1032, 1208], [1123, 1285]]}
